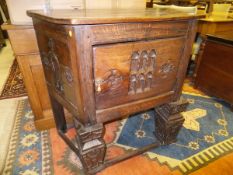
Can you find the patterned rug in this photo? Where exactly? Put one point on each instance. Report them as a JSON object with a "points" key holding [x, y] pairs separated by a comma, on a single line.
{"points": [[29, 150], [206, 136], [14, 86]]}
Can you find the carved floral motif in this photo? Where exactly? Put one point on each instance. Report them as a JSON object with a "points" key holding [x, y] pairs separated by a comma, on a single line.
{"points": [[166, 68]]}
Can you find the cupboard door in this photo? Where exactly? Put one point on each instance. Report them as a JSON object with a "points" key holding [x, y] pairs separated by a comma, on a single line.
{"points": [[130, 71]]}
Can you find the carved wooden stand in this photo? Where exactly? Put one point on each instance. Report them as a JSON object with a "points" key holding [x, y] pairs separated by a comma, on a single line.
{"points": [[169, 121], [91, 147]]}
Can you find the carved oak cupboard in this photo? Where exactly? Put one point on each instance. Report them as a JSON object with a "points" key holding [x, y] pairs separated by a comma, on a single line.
{"points": [[105, 64]]}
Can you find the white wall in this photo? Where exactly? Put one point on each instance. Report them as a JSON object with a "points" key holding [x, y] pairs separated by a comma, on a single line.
{"points": [[93, 4], [18, 8]]}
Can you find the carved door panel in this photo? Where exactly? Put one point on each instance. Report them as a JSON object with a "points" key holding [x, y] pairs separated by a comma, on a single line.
{"points": [[135, 70]]}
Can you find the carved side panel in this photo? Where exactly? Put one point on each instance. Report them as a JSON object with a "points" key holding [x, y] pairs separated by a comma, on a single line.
{"points": [[51, 62], [141, 71], [56, 60]]}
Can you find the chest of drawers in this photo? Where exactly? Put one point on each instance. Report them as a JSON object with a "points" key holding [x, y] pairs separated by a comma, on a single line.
{"points": [[103, 65]]}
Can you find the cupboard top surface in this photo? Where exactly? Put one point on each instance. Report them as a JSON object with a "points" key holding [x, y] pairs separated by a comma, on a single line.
{"points": [[107, 16]]}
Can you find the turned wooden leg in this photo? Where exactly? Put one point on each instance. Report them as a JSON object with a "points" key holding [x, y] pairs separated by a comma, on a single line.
{"points": [[91, 145], [59, 116], [169, 121]]}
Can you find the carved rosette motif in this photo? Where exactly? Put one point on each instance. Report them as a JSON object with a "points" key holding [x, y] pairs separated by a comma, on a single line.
{"points": [[141, 71], [166, 68]]}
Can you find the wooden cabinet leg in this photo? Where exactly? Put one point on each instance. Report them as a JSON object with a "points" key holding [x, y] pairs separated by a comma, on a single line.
{"points": [[169, 121], [91, 145], [59, 116]]}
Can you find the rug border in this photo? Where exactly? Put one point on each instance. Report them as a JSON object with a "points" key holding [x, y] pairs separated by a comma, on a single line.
{"points": [[13, 140]]}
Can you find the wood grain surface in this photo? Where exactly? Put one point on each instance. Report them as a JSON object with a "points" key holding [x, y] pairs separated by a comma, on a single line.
{"points": [[109, 16]]}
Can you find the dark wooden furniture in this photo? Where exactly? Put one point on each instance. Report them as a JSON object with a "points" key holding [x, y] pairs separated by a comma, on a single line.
{"points": [[214, 74], [102, 65], [212, 25]]}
